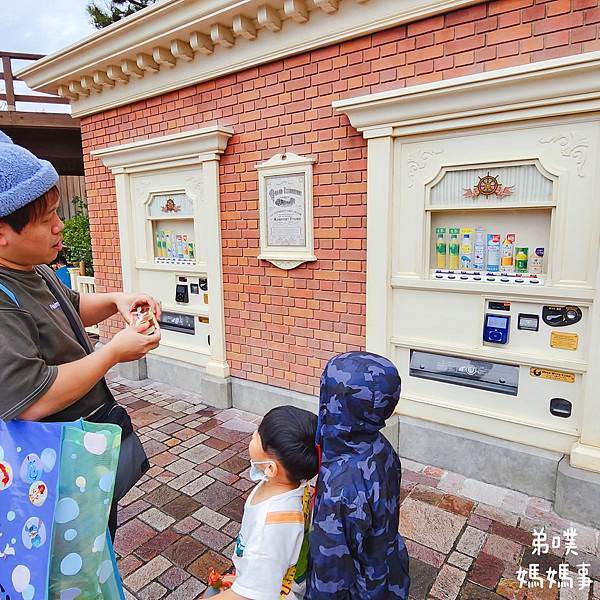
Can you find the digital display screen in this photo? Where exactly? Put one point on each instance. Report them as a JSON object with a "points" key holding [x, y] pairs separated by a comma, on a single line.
{"points": [[497, 322], [529, 322]]}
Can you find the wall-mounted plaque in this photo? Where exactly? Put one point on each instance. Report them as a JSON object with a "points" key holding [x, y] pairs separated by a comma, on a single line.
{"points": [[286, 212]]}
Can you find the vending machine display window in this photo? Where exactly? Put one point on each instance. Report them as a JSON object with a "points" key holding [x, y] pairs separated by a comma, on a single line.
{"points": [[172, 220], [491, 224]]}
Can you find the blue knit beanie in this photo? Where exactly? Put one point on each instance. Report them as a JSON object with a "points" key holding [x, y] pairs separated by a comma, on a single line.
{"points": [[23, 177]]}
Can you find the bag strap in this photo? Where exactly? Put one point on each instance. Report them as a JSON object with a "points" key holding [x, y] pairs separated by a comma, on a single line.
{"points": [[47, 274], [54, 285], [9, 293]]}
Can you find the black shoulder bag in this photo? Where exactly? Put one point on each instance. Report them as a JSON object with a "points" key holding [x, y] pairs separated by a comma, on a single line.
{"points": [[133, 462]]}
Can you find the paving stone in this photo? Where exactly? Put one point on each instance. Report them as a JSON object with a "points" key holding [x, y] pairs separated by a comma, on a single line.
{"points": [[593, 561], [422, 577], [227, 435], [154, 591], [462, 561], [182, 480], [512, 533], [596, 590], [479, 522], [476, 592], [217, 444], [199, 438], [574, 593], [471, 541], [210, 559], [451, 483], [210, 517], [486, 571], [211, 538], [184, 551], [157, 519], [587, 538], [515, 502], [233, 528], [427, 494], [217, 495], [235, 464], [221, 457], [510, 588], [132, 535], [484, 492], [148, 414], [174, 577], [223, 476], [243, 485], [208, 425], [149, 485], [448, 582], [427, 555], [138, 579], [188, 590], [128, 565], [430, 526], [199, 454], [506, 550], [186, 525], [152, 447], [456, 505], [131, 496], [163, 459], [237, 424], [171, 428], [181, 466], [234, 510], [497, 514], [181, 507], [434, 472], [156, 545], [161, 496], [131, 511], [197, 485]]}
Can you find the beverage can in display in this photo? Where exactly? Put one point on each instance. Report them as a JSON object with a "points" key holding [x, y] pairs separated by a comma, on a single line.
{"points": [[521, 257], [190, 250], [440, 247], [466, 249], [454, 248], [169, 244], [186, 250], [508, 249], [536, 261], [479, 249], [493, 252], [179, 246]]}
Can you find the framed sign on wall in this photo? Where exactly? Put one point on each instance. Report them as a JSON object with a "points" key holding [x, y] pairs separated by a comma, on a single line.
{"points": [[286, 210]]}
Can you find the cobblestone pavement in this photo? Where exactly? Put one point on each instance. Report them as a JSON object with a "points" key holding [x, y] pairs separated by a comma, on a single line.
{"points": [[466, 539]]}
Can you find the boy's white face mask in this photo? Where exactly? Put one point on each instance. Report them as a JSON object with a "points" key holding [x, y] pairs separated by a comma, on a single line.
{"points": [[257, 474]]}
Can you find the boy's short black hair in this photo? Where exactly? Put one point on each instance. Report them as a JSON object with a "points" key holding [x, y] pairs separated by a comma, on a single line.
{"points": [[289, 433]]}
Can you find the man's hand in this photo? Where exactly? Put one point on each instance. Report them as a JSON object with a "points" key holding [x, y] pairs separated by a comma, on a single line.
{"points": [[127, 303], [132, 344]]}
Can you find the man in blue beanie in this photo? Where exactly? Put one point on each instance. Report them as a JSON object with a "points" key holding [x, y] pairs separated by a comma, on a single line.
{"points": [[48, 369]]}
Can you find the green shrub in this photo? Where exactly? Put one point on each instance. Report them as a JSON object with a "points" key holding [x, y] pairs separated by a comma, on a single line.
{"points": [[77, 238]]}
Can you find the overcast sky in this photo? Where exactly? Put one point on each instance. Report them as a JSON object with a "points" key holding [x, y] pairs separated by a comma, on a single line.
{"points": [[41, 27]]}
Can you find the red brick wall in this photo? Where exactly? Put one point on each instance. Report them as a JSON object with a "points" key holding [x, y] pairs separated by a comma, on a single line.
{"points": [[282, 326]]}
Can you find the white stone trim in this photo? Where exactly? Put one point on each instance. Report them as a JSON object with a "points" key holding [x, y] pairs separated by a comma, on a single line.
{"points": [[199, 40], [199, 147], [556, 87]]}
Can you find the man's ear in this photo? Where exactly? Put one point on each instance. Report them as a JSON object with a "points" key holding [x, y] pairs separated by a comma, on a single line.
{"points": [[4, 230]]}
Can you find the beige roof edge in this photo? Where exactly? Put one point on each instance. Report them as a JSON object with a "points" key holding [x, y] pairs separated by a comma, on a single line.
{"points": [[118, 64]]}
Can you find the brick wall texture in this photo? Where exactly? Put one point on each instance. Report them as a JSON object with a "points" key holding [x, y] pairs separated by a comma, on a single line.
{"points": [[281, 326]]}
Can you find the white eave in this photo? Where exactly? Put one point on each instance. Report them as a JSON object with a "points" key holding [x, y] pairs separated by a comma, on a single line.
{"points": [[176, 43]]}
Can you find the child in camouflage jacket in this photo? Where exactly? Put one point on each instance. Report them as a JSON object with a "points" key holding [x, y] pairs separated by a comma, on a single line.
{"points": [[356, 552]]}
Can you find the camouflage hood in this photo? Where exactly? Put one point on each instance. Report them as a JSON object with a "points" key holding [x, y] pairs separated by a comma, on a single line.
{"points": [[359, 391]]}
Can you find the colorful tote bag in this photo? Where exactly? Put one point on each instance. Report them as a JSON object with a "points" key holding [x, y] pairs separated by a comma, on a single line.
{"points": [[56, 487]]}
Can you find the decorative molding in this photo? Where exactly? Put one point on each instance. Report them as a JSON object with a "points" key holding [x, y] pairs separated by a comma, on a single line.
{"points": [[550, 88], [200, 145], [571, 147], [178, 43], [418, 162]]}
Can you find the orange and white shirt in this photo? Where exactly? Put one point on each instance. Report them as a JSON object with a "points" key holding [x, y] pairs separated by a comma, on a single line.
{"points": [[268, 545]]}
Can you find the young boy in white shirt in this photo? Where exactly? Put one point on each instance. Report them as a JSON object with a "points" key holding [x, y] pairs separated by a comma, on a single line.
{"points": [[283, 459]]}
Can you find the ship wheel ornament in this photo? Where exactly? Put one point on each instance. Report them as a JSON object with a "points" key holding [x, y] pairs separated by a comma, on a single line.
{"points": [[489, 186]]}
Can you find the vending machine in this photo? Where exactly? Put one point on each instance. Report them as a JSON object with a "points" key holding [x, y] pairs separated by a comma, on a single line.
{"points": [[494, 267], [169, 224]]}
